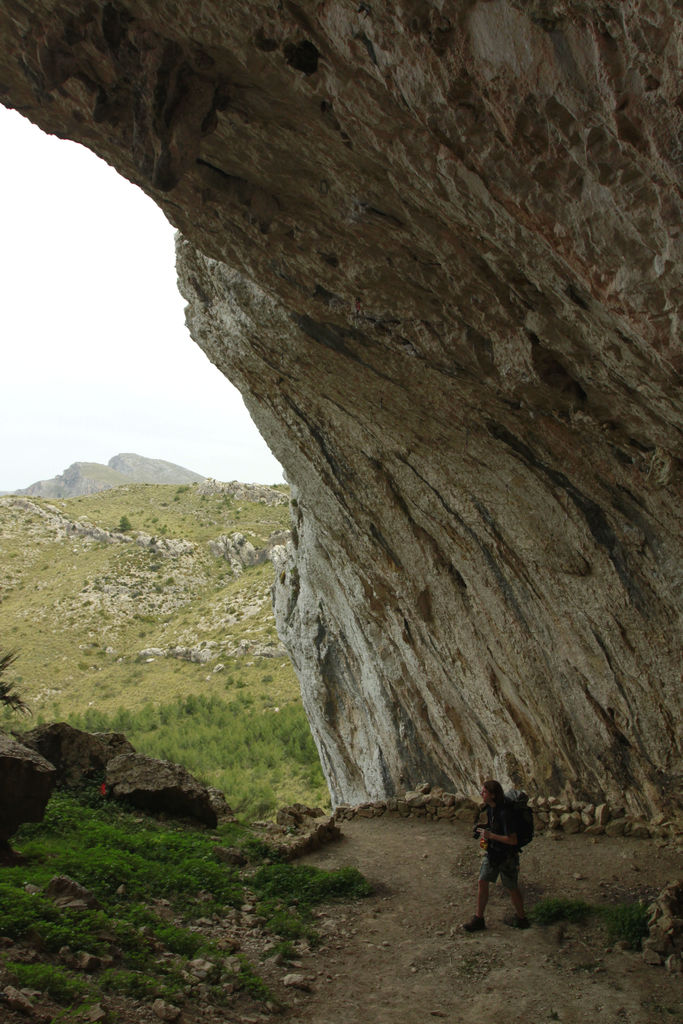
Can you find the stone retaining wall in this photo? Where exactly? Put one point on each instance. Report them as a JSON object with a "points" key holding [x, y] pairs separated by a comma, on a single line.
{"points": [[664, 944], [298, 830], [550, 813]]}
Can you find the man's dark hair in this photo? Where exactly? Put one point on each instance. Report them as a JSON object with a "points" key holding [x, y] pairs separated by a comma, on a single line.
{"points": [[496, 790]]}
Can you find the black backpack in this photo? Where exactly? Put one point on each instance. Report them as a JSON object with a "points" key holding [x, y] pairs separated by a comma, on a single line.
{"points": [[523, 816]]}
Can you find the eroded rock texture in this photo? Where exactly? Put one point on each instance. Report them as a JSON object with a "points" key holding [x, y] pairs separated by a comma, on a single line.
{"points": [[437, 246]]}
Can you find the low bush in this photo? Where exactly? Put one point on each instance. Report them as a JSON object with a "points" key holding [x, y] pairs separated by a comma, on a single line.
{"points": [[248, 980], [559, 909], [626, 922], [57, 982], [106, 847], [129, 983], [287, 892], [309, 885]]}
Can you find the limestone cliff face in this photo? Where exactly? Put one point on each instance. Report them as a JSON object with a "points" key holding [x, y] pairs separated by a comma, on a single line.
{"points": [[438, 248]]}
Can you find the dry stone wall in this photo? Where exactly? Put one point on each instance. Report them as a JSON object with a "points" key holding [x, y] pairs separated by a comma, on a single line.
{"points": [[665, 941], [550, 814]]}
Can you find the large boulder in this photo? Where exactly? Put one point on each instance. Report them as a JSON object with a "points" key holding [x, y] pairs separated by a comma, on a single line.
{"points": [[74, 753], [154, 785], [26, 782]]}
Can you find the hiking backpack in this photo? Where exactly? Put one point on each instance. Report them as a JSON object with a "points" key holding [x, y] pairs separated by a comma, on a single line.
{"points": [[518, 801]]}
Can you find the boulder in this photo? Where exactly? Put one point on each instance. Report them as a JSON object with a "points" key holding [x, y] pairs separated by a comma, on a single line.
{"points": [[220, 805], [68, 894], [237, 550], [26, 782], [230, 855], [74, 753], [165, 1011], [160, 786]]}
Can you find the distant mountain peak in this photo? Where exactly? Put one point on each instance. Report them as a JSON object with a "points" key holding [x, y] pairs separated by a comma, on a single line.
{"points": [[142, 470], [90, 477]]}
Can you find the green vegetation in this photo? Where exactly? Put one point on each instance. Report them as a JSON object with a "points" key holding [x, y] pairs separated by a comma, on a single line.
{"points": [[287, 893], [7, 697], [624, 922], [56, 982], [70, 600], [309, 885], [559, 909], [141, 871], [108, 633], [259, 756]]}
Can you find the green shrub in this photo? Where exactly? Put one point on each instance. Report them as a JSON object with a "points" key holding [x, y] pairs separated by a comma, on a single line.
{"points": [[7, 697], [302, 887], [125, 524], [288, 924], [248, 980], [178, 940], [256, 849], [559, 909], [129, 983], [286, 950], [626, 922], [309, 885], [21, 913], [55, 981], [104, 847]]}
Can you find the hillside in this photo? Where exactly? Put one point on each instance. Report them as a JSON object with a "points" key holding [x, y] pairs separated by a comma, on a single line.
{"points": [[82, 478], [147, 608]]}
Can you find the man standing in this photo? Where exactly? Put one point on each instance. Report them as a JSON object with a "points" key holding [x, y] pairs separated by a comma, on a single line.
{"points": [[501, 858]]}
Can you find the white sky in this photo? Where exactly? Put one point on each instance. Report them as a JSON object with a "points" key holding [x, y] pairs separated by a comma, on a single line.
{"points": [[95, 358]]}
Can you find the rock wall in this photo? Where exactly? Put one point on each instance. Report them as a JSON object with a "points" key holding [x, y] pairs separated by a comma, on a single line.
{"points": [[437, 246]]}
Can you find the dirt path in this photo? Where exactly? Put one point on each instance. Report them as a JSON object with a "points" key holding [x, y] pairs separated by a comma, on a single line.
{"points": [[402, 957]]}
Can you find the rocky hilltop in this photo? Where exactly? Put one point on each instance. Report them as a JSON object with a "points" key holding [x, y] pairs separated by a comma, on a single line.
{"points": [[91, 477], [437, 247]]}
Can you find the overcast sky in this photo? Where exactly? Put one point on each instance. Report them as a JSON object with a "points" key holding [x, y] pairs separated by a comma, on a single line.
{"points": [[95, 356]]}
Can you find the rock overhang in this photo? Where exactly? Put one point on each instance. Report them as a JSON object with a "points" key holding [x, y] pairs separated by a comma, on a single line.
{"points": [[438, 249]]}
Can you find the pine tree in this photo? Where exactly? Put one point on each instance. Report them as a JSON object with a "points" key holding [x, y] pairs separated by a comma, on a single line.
{"points": [[9, 699]]}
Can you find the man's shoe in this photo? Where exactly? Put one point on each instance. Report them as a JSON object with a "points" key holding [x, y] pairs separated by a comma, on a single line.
{"points": [[477, 924], [518, 922]]}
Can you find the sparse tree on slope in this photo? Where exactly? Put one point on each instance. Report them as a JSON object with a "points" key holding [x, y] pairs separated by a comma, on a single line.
{"points": [[7, 697]]}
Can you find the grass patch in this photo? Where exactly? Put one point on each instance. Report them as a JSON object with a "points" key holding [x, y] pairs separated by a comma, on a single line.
{"points": [[131, 864], [286, 894], [626, 922], [55, 981], [105, 847], [559, 909], [309, 885]]}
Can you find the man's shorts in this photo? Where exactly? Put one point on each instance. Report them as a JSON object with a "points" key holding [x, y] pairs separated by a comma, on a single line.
{"points": [[508, 870]]}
